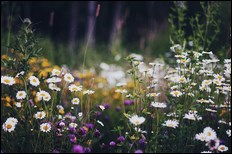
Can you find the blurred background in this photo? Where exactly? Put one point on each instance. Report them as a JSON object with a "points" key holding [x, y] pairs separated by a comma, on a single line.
{"points": [[67, 28]]}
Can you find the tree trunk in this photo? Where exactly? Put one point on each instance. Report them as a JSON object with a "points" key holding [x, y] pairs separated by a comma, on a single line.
{"points": [[90, 34], [73, 28], [117, 23]]}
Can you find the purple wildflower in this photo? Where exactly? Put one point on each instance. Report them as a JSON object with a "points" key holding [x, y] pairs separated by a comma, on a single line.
{"points": [[78, 149], [138, 151], [112, 144], [120, 139]]}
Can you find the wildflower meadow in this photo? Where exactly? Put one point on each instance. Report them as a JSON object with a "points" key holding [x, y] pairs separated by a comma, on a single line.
{"points": [[176, 104]]}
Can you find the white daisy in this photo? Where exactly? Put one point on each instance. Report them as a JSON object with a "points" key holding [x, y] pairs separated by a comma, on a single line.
{"points": [[137, 120], [153, 94], [200, 136], [34, 81], [192, 116], [21, 95], [40, 115], [45, 127], [158, 105], [222, 148], [74, 88], [176, 93], [7, 80], [12, 119], [210, 134], [53, 86], [171, 123], [56, 72], [53, 80], [68, 77], [206, 83], [8, 126], [75, 101], [43, 95]]}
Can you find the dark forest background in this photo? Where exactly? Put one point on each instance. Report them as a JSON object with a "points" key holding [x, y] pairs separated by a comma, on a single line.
{"points": [[121, 27]]}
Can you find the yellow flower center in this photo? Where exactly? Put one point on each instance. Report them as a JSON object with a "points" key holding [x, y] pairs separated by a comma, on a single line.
{"points": [[45, 127], [209, 133], [74, 89], [182, 79], [34, 80], [222, 148], [69, 77], [7, 81], [183, 61], [20, 94], [40, 115], [9, 126], [176, 92], [42, 94]]}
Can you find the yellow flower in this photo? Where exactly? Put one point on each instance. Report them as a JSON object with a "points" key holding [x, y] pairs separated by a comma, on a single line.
{"points": [[45, 63], [32, 61], [61, 111]]}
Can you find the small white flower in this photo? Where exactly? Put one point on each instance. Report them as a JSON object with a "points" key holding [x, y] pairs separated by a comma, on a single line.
{"points": [[158, 105], [80, 114], [68, 77], [120, 84], [34, 81], [202, 101], [12, 119], [122, 91], [40, 115], [137, 120], [53, 80], [55, 72], [74, 88], [153, 94], [8, 126], [171, 123], [206, 83], [200, 136], [73, 125], [222, 148], [43, 95], [21, 95], [192, 116], [18, 104], [176, 93], [75, 101], [45, 127], [210, 134], [53, 86], [89, 92], [7, 80]]}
